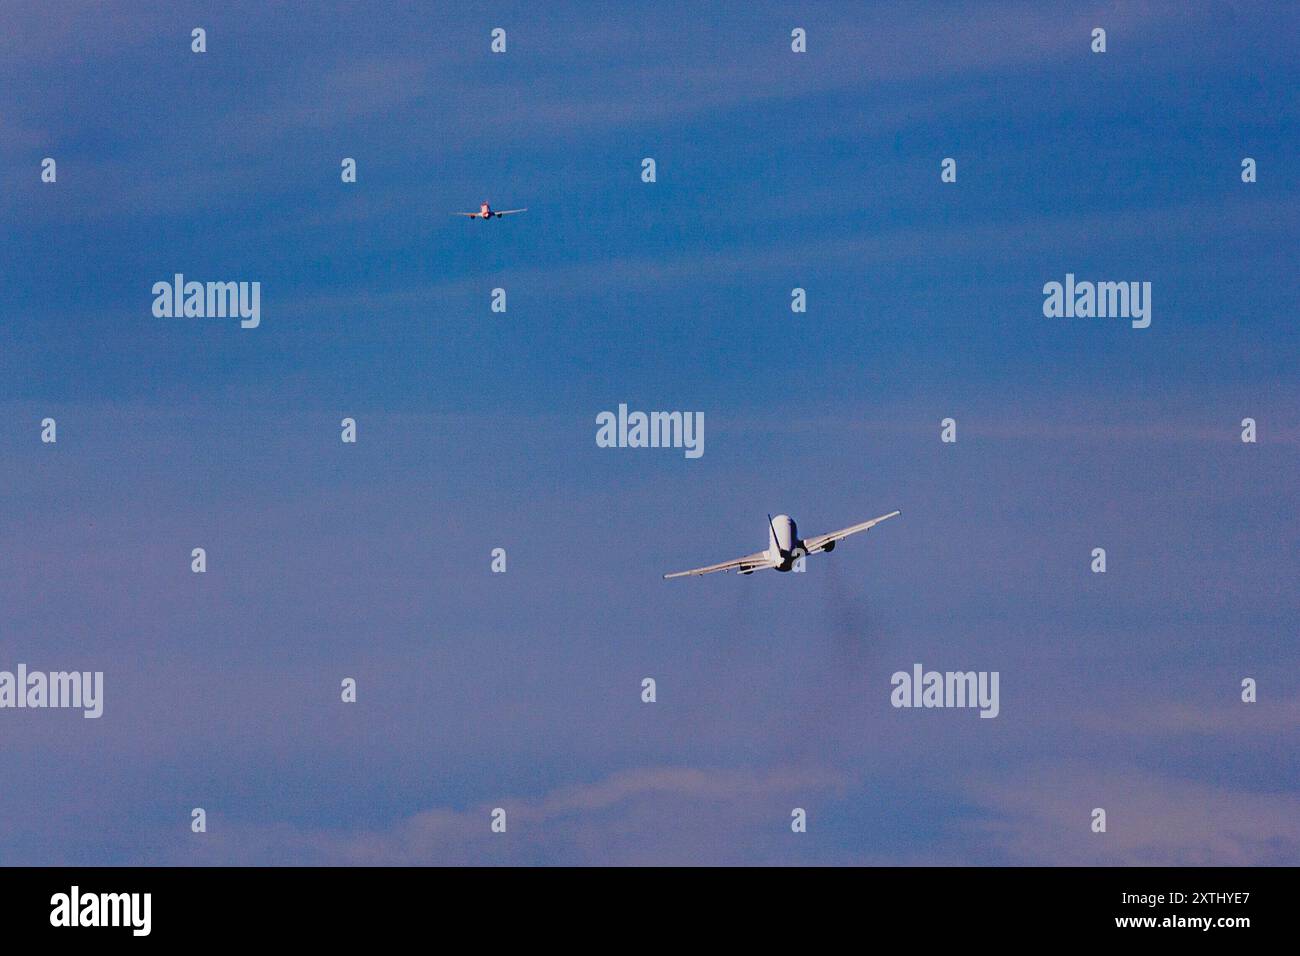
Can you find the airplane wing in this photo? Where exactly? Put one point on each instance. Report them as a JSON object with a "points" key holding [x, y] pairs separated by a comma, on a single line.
{"points": [[750, 562], [471, 215], [820, 542], [507, 212]]}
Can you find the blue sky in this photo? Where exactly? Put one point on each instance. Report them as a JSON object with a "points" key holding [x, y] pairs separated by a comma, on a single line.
{"points": [[477, 430]]}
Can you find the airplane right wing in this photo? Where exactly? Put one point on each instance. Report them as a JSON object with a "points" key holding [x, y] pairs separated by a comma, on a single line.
{"points": [[507, 212], [470, 215], [819, 543], [750, 562]]}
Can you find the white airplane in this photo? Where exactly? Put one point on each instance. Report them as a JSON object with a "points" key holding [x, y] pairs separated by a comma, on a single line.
{"points": [[784, 547], [487, 212]]}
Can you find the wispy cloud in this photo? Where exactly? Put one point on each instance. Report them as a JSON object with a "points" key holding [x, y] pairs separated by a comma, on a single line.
{"points": [[647, 816], [1043, 818]]}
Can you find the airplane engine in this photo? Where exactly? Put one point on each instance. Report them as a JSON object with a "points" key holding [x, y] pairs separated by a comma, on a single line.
{"points": [[830, 546]]}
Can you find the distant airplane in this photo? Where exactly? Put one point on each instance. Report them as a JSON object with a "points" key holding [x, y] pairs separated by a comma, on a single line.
{"points": [[784, 547], [487, 212]]}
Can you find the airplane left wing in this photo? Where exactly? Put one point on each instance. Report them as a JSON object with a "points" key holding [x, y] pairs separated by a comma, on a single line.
{"points": [[820, 542], [750, 562], [507, 212]]}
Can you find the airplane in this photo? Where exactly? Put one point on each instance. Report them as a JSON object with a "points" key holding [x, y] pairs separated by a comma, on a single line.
{"points": [[784, 547], [487, 212]]}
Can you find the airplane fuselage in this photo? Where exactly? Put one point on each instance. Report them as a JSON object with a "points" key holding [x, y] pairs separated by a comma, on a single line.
{"points": [[783, 544]]}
